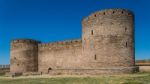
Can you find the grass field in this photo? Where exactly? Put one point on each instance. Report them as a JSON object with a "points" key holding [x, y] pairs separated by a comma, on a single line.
{"points": [[138, 78]]}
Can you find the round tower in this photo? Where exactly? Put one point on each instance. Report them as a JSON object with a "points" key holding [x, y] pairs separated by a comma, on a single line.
{"points": [[24, 56], [108, 41]]}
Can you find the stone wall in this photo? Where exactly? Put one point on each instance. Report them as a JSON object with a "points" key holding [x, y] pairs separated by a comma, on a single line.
{"points": [[144, 65], [59, 55], [107, 46], [4, 69], [108, 39], [4, 66], [144, 68], [24, 56]]}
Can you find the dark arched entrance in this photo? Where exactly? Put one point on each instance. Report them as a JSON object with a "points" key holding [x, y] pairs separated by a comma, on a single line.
{"points": [[49, 69]]}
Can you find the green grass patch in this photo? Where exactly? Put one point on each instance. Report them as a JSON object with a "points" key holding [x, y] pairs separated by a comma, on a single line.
{"points": [[2, 73], [138, 78]]}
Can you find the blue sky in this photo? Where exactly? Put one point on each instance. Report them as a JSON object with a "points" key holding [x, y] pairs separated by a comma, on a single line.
{"points": [[54, 20]]}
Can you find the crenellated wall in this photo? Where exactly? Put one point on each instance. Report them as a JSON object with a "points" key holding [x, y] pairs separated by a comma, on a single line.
{"points": [[107, 47], [60, 55]]}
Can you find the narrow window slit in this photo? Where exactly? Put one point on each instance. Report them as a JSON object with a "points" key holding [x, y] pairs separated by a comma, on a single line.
{"points": [[95, 57], [125, 29], [91, 32], [126, 44]]}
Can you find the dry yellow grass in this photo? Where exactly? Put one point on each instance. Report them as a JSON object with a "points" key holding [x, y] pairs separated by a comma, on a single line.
{"points": [[138, 78]]}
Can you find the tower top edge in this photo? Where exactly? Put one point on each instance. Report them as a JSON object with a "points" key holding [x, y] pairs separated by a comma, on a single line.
{"points": [[23, 40], [110, 11]]}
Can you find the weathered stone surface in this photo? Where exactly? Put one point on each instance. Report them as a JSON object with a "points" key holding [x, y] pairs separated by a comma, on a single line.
{"points": [[107, 46], [24, 56], [62, 55], [108, 39]]}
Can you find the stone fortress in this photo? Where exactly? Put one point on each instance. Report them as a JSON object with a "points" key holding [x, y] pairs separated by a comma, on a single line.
{"points": [[107, 47]]}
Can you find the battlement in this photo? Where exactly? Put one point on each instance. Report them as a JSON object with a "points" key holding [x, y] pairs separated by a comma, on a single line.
{"points": [[60, 44], [25, 41], [108, 12], [106, 34]]}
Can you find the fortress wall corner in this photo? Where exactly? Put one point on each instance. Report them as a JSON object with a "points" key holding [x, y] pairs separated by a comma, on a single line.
{"points": [[24, 56]]}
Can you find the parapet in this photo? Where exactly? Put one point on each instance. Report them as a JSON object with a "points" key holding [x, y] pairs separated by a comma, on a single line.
{"points": [[25, 41], [62, 44], [108, 12]]}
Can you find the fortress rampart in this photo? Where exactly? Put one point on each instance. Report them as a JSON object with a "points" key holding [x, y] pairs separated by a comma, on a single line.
{"points": [[106, 47], [24, 56], [60, 55], [60, 45]]}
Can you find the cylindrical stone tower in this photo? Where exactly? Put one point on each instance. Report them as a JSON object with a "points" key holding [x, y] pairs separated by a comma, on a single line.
{"points": [[108, 41], [24, 56]]}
